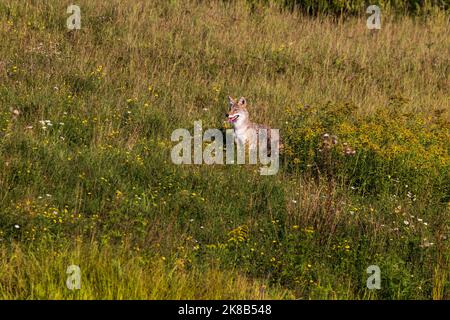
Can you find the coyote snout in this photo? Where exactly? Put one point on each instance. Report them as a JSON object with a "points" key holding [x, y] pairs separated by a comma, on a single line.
{"points": [[247, 132]]}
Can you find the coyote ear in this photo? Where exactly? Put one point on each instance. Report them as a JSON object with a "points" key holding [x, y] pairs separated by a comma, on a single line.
{"points": [[242, 101], [230, 101]]}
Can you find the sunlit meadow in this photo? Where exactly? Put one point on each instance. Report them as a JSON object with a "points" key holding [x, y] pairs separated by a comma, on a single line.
{"points": [[86, 176]]}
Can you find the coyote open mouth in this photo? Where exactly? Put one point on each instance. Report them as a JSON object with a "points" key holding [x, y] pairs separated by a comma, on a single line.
{"points": [[233, 118]]}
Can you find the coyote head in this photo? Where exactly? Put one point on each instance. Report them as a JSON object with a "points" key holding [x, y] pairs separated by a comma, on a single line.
{"points": [[238, 113]]}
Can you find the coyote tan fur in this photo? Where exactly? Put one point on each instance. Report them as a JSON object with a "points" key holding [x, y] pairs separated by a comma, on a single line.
{"points": [[246, 132]]}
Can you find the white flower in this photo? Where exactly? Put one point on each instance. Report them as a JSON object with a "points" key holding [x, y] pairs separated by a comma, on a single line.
{"points": [[16, 226]]}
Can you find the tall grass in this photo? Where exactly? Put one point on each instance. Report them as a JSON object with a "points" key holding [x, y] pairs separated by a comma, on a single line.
{"points": [[358, 7], [111, 273]]}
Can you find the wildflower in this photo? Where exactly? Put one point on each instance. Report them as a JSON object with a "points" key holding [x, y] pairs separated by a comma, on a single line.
{"points": [[348, 151], [328, 141], [16, 226], [45, 124], [334, 140], [426, 243], [309, 230]]}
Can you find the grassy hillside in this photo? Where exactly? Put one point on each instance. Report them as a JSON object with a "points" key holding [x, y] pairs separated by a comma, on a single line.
{"points": [[86, 176]]}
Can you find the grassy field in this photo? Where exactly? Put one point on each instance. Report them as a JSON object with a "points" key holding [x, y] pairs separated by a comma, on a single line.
{"points": [[86, 176]]}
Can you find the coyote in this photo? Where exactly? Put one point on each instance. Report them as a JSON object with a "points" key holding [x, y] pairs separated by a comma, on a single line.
{"points": [[245, 131]]}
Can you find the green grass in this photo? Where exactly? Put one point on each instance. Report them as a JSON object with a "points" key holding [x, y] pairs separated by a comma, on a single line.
{"points": [[109, 273], [86, 176]]}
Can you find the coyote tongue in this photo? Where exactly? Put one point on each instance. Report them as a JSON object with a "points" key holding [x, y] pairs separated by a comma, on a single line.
{"points": [[233, 119]]}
